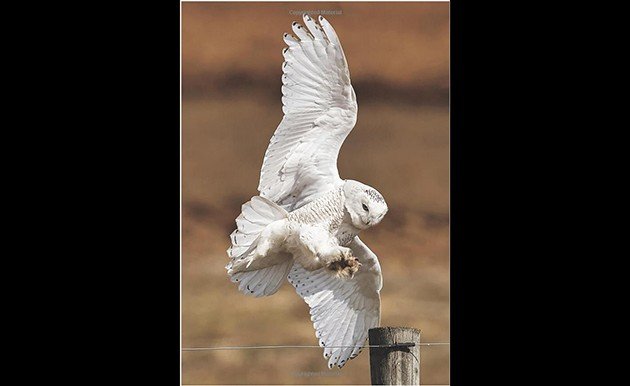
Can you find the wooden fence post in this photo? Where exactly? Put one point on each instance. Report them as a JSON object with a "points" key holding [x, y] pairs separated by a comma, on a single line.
{"points": [[398, 364]]}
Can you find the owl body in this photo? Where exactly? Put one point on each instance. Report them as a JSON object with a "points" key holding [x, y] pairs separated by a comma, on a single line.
{"points": [[316, 235], [327, 213]]}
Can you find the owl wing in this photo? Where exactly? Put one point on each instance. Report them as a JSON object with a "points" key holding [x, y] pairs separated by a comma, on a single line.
{"points": [[342, 310], [320, 110]]}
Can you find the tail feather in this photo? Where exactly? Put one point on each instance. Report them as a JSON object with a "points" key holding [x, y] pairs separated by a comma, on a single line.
{"points": [[255, 215], [263, 282]]}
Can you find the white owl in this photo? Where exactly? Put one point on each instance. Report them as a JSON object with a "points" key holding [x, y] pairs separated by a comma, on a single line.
{"points": [[304, 224]]}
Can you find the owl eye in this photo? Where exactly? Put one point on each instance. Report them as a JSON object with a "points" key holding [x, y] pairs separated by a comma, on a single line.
{"points": [[365, 208]]}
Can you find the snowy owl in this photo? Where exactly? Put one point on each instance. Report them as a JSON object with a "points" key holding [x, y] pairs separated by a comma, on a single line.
{"points": [[304, 224]]}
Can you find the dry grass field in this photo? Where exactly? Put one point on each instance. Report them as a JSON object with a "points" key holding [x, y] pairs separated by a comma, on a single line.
{"points": [[398, 57]]}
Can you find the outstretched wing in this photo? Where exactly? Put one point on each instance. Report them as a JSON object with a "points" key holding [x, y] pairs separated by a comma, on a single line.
{"points": [[342, 310], [320, 109]]}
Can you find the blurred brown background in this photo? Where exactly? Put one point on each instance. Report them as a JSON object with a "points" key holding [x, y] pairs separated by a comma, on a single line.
{"points": [[398, 55]]}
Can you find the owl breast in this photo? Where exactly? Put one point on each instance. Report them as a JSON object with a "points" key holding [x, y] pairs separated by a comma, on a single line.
{"points": [[329, 212], [345, 233]]}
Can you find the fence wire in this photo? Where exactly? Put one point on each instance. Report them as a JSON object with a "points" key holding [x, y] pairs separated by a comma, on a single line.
{"points": [[309, 346]]}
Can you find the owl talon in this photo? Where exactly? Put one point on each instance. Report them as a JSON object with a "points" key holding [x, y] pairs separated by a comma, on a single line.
{"points": [[346, 267]]}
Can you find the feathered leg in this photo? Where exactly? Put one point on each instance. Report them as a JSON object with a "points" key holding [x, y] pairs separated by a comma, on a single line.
{"points": [[318, 249]]}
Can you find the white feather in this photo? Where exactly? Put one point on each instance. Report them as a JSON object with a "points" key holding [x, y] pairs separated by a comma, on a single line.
{"points": [[313, 28], [342, 310], [320, 111], [255, 216]]}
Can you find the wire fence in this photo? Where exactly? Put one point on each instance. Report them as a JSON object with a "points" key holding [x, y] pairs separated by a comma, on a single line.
{"points": [[268, 347]]}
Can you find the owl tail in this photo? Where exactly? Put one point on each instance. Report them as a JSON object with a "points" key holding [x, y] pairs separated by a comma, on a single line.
{"points": [[255, 215]]}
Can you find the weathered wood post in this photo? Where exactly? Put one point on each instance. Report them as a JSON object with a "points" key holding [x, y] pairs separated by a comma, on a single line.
{"points": [[399, 362]]}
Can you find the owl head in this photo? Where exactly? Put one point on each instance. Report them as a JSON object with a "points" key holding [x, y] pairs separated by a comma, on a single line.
{"points": [[365, 204]]}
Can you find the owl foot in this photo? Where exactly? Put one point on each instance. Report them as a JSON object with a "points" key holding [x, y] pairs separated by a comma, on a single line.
{"points": [[346, 267]]}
